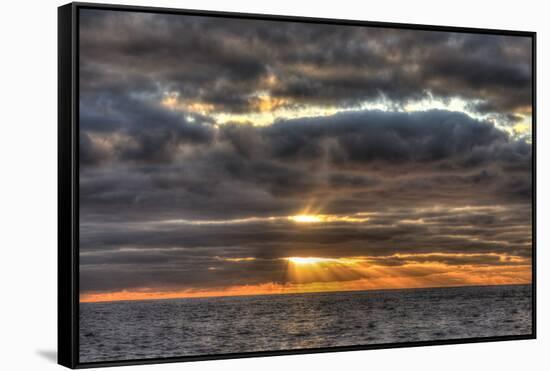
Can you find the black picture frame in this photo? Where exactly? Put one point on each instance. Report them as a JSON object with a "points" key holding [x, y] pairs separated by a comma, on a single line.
{"points": [[68, 185]]}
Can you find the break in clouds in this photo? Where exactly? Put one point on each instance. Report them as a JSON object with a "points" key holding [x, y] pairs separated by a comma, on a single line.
{"points": [[202, 138]]}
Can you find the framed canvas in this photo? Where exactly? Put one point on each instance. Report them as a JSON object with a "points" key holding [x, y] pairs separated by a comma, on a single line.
{"points": [[236, 185]]}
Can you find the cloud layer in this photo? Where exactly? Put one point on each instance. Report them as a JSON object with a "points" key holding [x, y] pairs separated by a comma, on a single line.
{"points": [[225, 63], [183, 188]]}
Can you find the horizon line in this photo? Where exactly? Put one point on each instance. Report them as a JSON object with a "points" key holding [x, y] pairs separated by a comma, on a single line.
{"points": [[306, 292]]}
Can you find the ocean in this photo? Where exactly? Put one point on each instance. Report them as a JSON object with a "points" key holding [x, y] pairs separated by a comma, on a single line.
{"points": [[207, 326]]}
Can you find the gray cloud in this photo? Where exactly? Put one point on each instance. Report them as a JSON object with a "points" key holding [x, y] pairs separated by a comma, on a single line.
{"points": [[224, 61], [162, 191], [186, 255], [435, 155]]}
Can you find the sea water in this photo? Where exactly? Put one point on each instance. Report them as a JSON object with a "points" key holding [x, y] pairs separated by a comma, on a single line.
{"points": [[221, 325]]}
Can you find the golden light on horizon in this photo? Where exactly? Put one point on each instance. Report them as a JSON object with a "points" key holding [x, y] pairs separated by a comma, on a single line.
{"points": [[315, 269], [306, 218], [323, 218], [308, 260], [319, 274]]}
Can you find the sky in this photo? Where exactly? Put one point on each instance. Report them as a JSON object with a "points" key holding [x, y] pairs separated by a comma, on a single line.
{"points": [[227, 156]]}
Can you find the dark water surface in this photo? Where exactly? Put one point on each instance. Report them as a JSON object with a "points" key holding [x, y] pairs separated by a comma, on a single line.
{"points": [[205, 326]]}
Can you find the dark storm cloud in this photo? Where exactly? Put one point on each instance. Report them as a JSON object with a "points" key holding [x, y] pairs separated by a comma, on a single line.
{"points": [[394, 163], [169, 196], [386, 137], [172, 271], [147, 133], [358, 157], [224, 62]]}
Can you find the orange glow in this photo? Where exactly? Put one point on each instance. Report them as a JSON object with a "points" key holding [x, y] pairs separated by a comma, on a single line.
{"points": [[198, 107], [237, 260], [171, 100], [321, 218], [266, 103], [311, 260], [316, 274], [305, 218]]}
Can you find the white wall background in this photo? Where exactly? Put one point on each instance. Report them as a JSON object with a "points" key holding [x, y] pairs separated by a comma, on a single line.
{"points": [[28, 181]]}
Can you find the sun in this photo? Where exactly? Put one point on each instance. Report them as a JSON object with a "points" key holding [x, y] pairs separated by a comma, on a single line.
{"points": [[305, 218], [309, 260]]}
